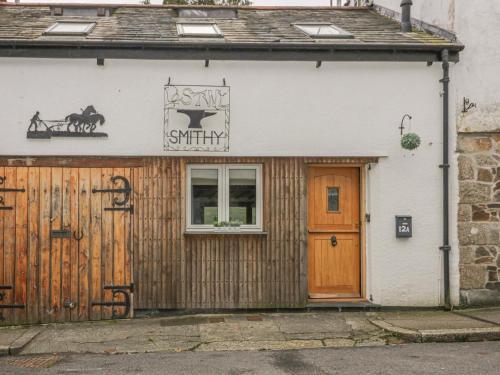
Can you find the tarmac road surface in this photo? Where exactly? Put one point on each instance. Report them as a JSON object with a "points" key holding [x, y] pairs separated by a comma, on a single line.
{"points": [[456, 358]]}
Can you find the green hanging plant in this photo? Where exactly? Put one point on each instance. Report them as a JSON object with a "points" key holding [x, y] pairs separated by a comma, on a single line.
{"points": [[410, 141]]}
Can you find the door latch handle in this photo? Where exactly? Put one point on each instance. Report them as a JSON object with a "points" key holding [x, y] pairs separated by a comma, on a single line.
{"points": [[333, 240]]}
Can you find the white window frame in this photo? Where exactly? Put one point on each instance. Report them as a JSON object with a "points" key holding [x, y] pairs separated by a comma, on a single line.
{"points": [[86, 31], [182, 32], [343, 34], [223, 196]]}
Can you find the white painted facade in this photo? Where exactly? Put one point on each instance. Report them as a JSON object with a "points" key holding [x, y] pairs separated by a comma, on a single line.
{"points": [[476, 77], [476, 24], [277, 109]]}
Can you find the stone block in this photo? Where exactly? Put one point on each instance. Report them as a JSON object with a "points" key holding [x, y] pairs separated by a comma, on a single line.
{"points": [[474, 192], [465, 168], [479, 297], [467, 255], [496, 196], [480, 214], [472, 276], [478, 233], [482, 252], [484, 160], [484, 175], [473, 144], [464, 212], [493, 276], [484, 260], [493, 286]]}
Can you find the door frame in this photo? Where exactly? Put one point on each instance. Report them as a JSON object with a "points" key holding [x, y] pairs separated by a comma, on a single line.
{"points": [[362, 231]]}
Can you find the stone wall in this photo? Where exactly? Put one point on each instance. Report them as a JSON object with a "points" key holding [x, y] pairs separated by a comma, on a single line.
{"points": [[479, 217]]}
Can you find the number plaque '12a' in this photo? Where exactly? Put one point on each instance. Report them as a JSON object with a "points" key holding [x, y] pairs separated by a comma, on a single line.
{"points": [[404, 226], [196, 118]]}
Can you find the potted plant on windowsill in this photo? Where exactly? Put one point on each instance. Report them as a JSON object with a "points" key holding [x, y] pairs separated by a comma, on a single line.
{"points": [[227, 226]]}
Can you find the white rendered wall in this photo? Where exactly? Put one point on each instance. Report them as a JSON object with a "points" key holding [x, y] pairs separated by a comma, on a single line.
{"points": [[477, 76], [277, 109], [477, 25]]}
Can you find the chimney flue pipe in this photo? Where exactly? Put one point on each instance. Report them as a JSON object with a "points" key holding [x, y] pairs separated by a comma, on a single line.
{"points": [[406, 15]]}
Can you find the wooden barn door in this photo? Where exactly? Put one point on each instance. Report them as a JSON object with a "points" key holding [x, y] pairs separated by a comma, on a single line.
{"points": [[15, 243], [65, 244], [334, 255]]}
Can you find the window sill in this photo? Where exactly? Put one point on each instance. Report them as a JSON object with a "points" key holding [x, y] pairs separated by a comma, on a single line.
{"points": [[223, 233]]}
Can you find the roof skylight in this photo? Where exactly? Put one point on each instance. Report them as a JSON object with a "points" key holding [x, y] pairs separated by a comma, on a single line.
{"points": [[70, 28], [323, 30], [199, 29]]}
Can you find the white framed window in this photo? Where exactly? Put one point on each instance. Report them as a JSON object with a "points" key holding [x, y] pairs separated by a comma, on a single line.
{"points": [[323, 30], [199, 29], [224, 194], [70, 28]]}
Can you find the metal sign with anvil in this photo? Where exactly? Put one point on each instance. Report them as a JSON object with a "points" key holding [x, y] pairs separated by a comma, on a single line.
{"points": [[196, 118]]}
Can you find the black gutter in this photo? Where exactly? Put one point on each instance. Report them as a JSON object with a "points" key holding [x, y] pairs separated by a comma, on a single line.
{"points": [[446, 169], [226, 51]]}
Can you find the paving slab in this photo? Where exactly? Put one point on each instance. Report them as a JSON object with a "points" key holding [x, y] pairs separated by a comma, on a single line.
{"points": [[490, 314], [263, 331], [428, 320], [15, 339], [360, 324], [216, 332], [7, 337], [312, 323], [22, 341], [105, 338]]}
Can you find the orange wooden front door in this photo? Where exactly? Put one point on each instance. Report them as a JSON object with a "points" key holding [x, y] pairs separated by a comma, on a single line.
{"points": [[334, 255], [60, 244]]}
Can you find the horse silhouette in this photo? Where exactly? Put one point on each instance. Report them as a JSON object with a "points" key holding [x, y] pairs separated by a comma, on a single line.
{"points": [[92, 120], [86, 121]]}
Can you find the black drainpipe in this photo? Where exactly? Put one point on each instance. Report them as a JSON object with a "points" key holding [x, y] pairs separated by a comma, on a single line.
{"points": [[446, 170]]}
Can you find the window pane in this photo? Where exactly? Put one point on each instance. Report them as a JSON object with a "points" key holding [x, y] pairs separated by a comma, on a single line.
{"points": [[327, 30], [71, 28], [199, 29], [243, 196], [204, 196], [319, 30], [333, 199]]}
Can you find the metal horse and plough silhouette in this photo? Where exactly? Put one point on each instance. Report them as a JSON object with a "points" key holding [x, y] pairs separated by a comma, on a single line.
{"points": [[74, 125]]}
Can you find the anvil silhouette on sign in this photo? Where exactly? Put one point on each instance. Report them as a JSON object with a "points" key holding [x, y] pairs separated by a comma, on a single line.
{"points": [[195, 116]]}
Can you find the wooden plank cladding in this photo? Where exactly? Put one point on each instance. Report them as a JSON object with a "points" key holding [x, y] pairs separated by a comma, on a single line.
{"points": [[62, 242], [59, 246], [179, 270]]}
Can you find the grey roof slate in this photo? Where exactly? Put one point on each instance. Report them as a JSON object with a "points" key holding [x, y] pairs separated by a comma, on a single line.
{"points": [[154, 24]]}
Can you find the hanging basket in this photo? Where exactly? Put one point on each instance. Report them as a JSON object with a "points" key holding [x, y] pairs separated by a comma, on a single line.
{"points": [[410, 141]]}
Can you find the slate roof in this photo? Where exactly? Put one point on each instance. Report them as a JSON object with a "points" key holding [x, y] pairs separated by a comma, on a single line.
{"points": [[271, 26]]}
